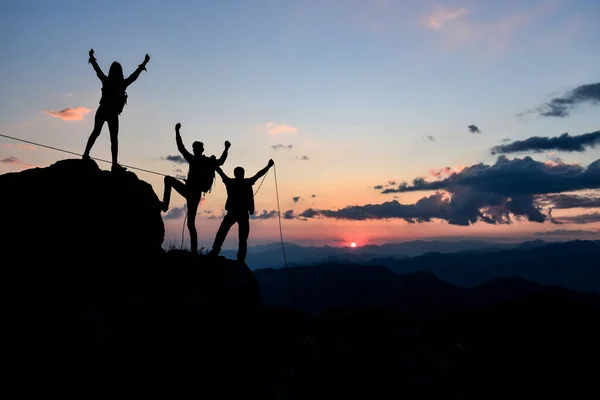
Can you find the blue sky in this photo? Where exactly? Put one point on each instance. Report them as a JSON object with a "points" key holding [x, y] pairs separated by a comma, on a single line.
{"points": [[354, 86]]}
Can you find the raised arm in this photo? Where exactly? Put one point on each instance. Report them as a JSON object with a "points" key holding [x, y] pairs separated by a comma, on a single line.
{"points": [[92, 61], [263, 171], [186, 154], [138, 71], [222, 174], [223, 157]]}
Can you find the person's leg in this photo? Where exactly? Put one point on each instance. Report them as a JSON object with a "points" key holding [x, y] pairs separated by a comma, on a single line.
{"points": [[179, 186], [226, 224], [113, 128], [99, 120], [192, 208], [243, 233]]}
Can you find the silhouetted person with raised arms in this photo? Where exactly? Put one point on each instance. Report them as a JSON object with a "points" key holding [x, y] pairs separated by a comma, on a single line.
{"points": [[112, 102], [239, 206], [200, 178]]}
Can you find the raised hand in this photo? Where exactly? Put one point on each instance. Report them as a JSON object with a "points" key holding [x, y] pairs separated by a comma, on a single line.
{"points": [[271, 162], [227, 144], [177, 127], [147, 58], [91, 53]]}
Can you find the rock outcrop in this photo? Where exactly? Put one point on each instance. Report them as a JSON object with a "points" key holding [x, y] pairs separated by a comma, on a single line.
{"points": [[74, 211]]}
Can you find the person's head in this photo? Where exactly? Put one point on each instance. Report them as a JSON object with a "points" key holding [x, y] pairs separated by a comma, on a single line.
{"points": [[238, 172], [116, 71], [198, 148]]}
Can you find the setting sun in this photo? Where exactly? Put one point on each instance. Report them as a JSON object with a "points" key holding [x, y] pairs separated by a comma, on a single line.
{"points": [[353, 244]]}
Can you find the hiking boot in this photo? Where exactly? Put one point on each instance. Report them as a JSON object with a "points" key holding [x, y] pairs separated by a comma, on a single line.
{"points": [[118, 168]]}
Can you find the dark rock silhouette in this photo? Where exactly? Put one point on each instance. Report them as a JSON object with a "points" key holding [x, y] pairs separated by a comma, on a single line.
{"points": [[72, 207]]}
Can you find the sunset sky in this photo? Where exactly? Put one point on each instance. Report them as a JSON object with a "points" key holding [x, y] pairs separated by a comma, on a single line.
{"points": [[350, 99]]}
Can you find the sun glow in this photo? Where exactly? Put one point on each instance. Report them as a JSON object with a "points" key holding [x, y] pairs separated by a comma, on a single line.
{"points": [[353, 244]]}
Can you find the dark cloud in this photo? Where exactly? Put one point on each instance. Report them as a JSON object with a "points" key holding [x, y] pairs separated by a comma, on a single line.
{"points": [[296, 199], [493, 194], [516, 177], [460, 209], [176, 159], [561, 106], [281, 146], [303, 158], [182, 177], [565, 201], [265, 215], [564, 142], [430, 138], [289, 214], [9, 160], [313, 195], [175, 213], [378, 187], [177, 170], [580, 219], [474, 129], [506, 140], [567, 232]]}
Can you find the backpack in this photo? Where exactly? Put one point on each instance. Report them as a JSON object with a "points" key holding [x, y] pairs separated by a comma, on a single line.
{"points": [[122, 102], [207, 177]]}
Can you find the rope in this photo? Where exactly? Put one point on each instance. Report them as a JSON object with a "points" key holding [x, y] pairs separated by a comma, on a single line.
{"points": [[261, 182], [281, 236], [81, 155]]}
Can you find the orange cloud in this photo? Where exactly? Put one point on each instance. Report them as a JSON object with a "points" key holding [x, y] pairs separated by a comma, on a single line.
{"points": [[437, 20], [274, 129], [69, 114]]}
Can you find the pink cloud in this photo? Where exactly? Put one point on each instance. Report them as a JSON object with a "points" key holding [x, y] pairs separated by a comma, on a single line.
{"points": [[69, 114], [15, 161], [456, 31], [26, 146], [438, 18], [445, 172], [274, 129], [9, 160]]}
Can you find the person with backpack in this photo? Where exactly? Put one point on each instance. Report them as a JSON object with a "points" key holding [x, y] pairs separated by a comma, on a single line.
{"points": [[239, 206], [112, 102], [201, 175]]}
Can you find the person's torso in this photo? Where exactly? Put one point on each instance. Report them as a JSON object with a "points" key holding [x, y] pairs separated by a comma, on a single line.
{"points": [[113, 94], [201, 170], [240, 197]]}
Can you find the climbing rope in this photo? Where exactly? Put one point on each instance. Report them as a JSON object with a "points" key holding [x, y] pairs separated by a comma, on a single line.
{"points": [[81, 155], [281, 237]]}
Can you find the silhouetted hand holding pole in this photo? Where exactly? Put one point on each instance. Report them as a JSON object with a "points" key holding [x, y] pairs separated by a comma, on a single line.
{"points": [[271, 163]]}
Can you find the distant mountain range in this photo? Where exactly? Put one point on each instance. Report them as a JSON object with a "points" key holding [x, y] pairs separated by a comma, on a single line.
{"points": [[271, 255], [436, 284]]}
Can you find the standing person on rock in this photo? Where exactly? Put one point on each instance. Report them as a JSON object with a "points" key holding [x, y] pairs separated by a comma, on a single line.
{"points": [[112, 102]]}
